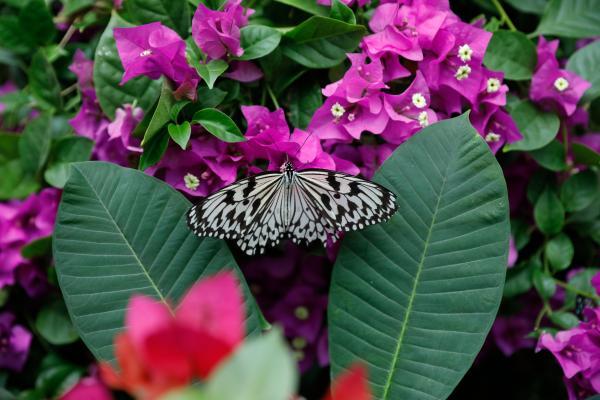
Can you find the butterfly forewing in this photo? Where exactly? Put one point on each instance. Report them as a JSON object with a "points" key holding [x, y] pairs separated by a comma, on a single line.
{"points": [[315, 204]]}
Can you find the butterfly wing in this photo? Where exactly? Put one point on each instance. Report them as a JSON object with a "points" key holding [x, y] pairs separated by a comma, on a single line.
{"points": [[347, 202], [238, 210]]}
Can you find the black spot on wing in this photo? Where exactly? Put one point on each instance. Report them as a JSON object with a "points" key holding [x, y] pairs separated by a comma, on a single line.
{"points": [[325, 200], [333, 182], [249, 187]]}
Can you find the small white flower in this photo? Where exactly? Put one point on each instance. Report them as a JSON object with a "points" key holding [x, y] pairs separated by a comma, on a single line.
{"points": [[561, 84], [462, 72], [419, 100], [146, 53], [465, 52], [191, 181], [351, 117], [423, 119], [492, 137], [493, 85], [337, 110]]}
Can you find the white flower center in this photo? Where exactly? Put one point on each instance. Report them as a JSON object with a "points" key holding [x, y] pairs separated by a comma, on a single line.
{"points": [[337, 110], [146, 53], [423, 118], [191, 181], [351, 117], [492, 137], [465, 52], [561, 84], [493, 85], [419, 100], [462, 72]]}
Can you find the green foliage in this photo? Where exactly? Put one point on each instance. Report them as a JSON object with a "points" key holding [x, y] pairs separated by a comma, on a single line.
{"points": [[512, 53], [342, 12], [219, 124], [263, 368], [43, 83], [173, 13], [304, 101], [210, 71], [321, 42], [584, 62], [54, 324], [549, 213], [308, 6], [579, 191], [407, 293], [258, 41], [572, 19], [552, 156], [107, 247], [544, 284], [34, 146], [180, 133], [537, 127], [108, 72], [65, 151], [559, 252], [161, 114]]}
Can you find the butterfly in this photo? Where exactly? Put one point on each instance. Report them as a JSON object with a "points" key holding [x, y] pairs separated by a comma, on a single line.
{"points": [[302, 205]]}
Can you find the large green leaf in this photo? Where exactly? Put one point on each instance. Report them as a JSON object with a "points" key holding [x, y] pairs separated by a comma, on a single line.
{"points": [[570, 18], [108, 72], [414, 298], [121, 232], [321, 42], [258, 41], [537, 127], [308, 6], [173, 13], [584, 62]]}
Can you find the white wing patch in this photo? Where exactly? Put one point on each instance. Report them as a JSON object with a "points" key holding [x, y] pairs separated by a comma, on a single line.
{"points": [[259, 211]]}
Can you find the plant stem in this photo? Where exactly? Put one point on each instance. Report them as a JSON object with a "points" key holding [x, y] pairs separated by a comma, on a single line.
{"points": [[68, 35], [504, 16], [573, 289], [538, 320], [272, 95], [68, 90]]}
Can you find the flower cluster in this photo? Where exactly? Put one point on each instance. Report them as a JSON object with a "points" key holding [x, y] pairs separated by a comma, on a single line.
{"points": [[578, 352], [163, 349], [22, 222], [113, 141], [440, 57]]}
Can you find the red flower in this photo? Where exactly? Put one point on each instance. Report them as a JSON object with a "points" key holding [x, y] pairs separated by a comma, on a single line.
{"points": [[351, 385], [163, 349]]}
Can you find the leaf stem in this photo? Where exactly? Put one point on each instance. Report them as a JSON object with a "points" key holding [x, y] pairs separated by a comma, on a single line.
{"points": [[272, 95], [575, 290], [504, 16], [68, 35], [68, 89], [538, 320]]}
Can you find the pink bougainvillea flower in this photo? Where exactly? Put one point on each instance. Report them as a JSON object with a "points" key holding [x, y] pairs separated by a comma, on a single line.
{"points": [[14, 343], [510, 332], [409, 111], [265, 131], [596, 283], [217, 33], [243, 71], [89, 388], [364, 159], [126, 119], [208, 165], [351, 385], [567, 347], [83, 68], [513, 254], [162, 349], [552, 87], [496, 126], [153, 50]]}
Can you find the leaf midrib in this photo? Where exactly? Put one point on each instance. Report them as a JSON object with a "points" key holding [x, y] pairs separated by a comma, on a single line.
{"points": [[122, 234], [394, 363]]}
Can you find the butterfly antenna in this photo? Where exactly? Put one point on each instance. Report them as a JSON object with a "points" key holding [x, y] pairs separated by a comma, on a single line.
{"points": [[303, 143]]}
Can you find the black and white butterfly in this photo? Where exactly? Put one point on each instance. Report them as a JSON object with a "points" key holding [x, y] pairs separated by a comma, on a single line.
{"points": [[304, 206]]}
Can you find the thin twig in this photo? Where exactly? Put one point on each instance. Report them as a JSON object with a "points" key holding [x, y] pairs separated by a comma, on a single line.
{"points": [[272, 95], [504, 16]]}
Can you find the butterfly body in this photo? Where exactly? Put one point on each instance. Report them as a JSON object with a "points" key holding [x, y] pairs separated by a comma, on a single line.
{"points": [[304, 206]]}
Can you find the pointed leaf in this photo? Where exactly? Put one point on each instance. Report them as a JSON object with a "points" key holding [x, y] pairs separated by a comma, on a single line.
{"points": [[570, 18], [258, 41], [219, 124], [414, 298], [121, 232], [180, 133], [210, 71]]}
